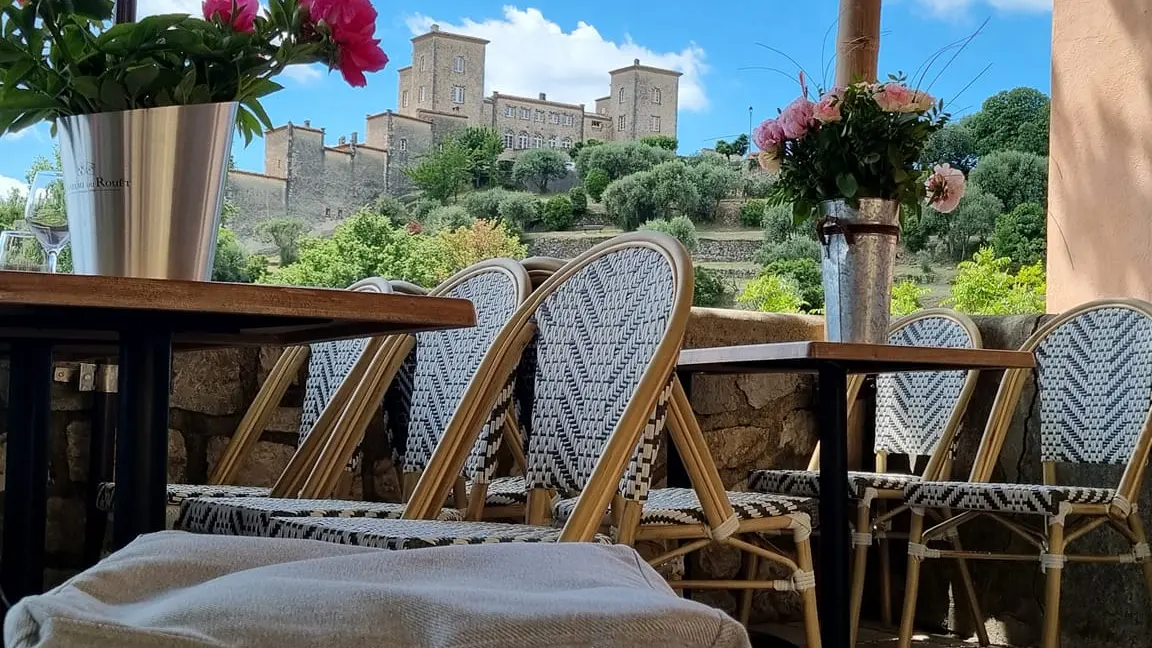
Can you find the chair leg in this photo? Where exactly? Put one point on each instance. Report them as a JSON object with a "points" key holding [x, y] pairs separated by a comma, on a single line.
{"points": [[807, 596], [911, 589], [477, 497], [885, 550], [751, 569], [1050, 637], [1137, 526], [859, 562], [970, 592]]}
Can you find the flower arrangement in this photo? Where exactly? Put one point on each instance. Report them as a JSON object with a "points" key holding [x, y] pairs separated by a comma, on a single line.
{"points": [[64, 57], [862, 141]]}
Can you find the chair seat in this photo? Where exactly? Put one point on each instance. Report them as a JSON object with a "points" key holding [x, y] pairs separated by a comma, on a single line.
{"points": [[251, 516], [177, 493], [1006, 498], [682, 506], [806, 483], [412, 534], [506, 491]]}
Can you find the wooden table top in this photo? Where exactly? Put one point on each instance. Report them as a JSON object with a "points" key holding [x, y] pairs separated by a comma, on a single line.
{"points": [[94, 310], [808, 357]]}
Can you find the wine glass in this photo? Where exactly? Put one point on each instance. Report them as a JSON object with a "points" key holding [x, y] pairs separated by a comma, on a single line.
{"points": [[21, 251], [45, 214]]}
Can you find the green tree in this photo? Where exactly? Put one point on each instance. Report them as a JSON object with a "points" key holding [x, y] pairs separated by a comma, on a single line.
{"points": [[986, 285], [457, 248], [284, 233], [1021, 235], [712, 289], [737, 147], [758, 184], [752, 212], [596, 182], [953, 145], [713, 183], [666, 142], [391, 207], [364, 245], [484, 204], [770, 293], [680, 228], [484, 145], [419, 209], [447, 217], [557, 213], [443, 172], [618, 159], [969, 226], [256, 267], [808, 276], [11, 208], [231, 261], [1015, 177], [538, 167], [1013, 120], [579, 146], [907, 298], [520, 209], [579, 199]]}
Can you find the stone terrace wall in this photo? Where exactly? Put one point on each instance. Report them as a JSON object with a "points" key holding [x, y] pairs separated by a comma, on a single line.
{"points": [[749, 421]]}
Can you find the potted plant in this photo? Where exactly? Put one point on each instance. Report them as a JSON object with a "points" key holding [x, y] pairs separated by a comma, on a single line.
{"points": [[851, 160], [145, 111]]}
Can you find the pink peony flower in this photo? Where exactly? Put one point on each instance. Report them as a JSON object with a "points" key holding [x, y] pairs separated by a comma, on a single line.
{"points": [[770, 160], [921, 101], [797, 118], [945, 187], [828, 108], [768, 135], [894, 97], [221, 10], [353, 27]]}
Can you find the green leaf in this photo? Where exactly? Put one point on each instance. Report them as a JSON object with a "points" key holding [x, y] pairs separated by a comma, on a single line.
{"points": [[19, 71], [846, 183], [247, 124], [184, 88], [100, 10], [138, 79], [112, 95], [87, 86], [258, 88], [17, 99], [256, 108]]}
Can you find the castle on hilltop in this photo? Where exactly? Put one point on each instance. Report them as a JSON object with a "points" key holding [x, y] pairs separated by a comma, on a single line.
{"points": [[440, 92]]}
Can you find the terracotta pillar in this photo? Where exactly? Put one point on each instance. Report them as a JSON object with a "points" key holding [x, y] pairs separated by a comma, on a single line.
{"points": [[858, 41]]}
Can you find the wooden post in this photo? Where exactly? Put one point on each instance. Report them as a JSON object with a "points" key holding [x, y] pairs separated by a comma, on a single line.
{"points": [[858, 41], [125, 11]]}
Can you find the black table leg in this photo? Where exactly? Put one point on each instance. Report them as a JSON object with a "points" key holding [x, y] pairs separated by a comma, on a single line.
{"points": [[832, 566], [26, 478], [677, 474], [101, 453], [142, 436]]}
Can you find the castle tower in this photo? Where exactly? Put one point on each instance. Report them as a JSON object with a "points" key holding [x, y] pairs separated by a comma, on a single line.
{"points": [[643, 102], [446, 75]]}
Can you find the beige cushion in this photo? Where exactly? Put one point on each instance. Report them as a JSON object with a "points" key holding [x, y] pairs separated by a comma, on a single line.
{"points": [[182, 590]]}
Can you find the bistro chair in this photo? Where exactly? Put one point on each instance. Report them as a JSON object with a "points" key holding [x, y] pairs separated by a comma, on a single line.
{"points": [[1093, 381], [334, 368], [446, 364], [608, 331], [917, 415]]}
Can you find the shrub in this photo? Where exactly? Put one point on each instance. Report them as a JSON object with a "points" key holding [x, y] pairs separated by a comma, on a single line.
{"points": [[1021, 235], [986, 286], [666, 142], [758, 184], [712, 289], [256, 267], [538, 167], [448, 217], [458, 248], [808, 276], [779, 225], [906, 297], [484, 204], [772, 294], [1014, 177], [284, 233], [231, 261], [558, 213], [503, 174], [596, 182], [391, 207], [680, 228], [421, 207], [795, 246], [711, 184], [579, 199], [520, 209], [752, 212]]}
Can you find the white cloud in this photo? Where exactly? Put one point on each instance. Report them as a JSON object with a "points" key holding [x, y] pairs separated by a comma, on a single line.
{"points": [[156, 7], [30, 131], [8, 184], [529, 54], [950, 7], [304, 73]]}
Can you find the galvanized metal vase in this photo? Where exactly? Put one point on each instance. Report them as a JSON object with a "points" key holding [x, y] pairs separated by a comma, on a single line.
{"points": [[859, 259], [144, 189]]}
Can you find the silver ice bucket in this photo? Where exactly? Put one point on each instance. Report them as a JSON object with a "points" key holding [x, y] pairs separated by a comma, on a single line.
{"points": [[144, 189], [859, 259]]}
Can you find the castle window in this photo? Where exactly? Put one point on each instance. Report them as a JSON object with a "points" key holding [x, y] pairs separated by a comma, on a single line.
{"points": [[553, 118], [403, 143], [655, 95], [327, 212], [457, 94], [654, 124], [522, 140], [567, 143], [509, 111], [567, 119], [423, 93], [423, 64], [537, 141], [404, 99], [509, 139], [597, 125], [458, 65], [621, 93], [553, 142], [525, 113], [622, 123], [540, 116]]}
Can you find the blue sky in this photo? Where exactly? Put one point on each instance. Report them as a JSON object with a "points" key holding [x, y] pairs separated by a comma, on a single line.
{"points": [[566, 49]]}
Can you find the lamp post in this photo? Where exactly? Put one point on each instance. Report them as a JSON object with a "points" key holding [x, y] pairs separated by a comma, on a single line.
{"points": [[857, 41]]}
